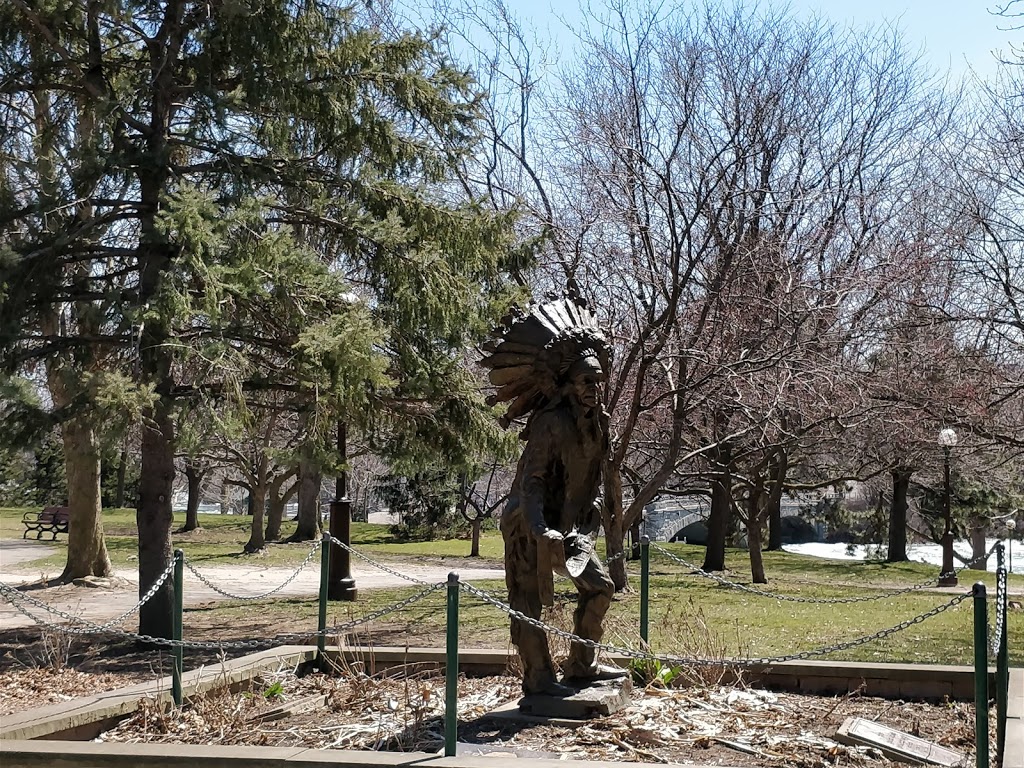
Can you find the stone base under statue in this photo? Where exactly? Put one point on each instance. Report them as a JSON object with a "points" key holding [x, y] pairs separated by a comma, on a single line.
{"points": [[598, 699]]}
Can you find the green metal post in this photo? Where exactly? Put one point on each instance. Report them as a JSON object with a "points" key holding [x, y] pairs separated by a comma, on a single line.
{"points": [[451, 668], [1002, 655], [321, 624], [980, 675], [645, 586], [178, 654]]}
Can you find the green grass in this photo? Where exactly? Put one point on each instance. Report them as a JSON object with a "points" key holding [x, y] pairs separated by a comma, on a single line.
{"points": [[690, 615], [222, 537], [693, 616]]}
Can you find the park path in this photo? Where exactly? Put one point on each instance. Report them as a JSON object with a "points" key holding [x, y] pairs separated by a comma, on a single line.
{"points": [[99, 604]]}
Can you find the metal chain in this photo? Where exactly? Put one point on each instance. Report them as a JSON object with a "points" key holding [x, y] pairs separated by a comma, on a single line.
{"points": [[234, 644], [275, 590], [997, 635], [613, 558], [791, 598], [690, 661], [881, 634], [374, 563], [14, 595]]}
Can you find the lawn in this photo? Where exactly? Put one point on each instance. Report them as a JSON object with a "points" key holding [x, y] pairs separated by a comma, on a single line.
{"points": [[690, 615], [221, 538]]}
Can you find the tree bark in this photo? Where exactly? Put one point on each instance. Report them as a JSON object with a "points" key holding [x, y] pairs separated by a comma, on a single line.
{"points": [[155, 258], [275, 514], [258, 499], [87, 550], [278, 501], [307, 522], [194, 473], [154, 519], [777, 482], [614, 533], [475, 526], [754, 521], [897, 549], [978, 548], [718, 519], [122, 468]]}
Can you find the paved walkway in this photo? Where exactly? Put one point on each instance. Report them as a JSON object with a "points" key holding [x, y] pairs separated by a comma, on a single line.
{"points": [[99, 604]]}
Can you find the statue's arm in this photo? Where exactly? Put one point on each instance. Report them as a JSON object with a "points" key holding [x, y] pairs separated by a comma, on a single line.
{"points": [[590, 522]]}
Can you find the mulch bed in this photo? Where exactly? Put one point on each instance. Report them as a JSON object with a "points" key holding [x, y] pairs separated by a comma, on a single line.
{"points": [[703, 723]]}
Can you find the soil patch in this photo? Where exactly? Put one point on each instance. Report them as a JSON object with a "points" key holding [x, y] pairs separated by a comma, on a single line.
{"points": [[712, 725]]}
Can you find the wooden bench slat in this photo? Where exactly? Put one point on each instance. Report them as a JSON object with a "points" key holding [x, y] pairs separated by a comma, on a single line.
{"points": [[50, 519]]}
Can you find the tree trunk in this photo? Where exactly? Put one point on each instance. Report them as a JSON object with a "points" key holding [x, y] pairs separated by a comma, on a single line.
{"points": [[87, 549], [258, 505], [777, 469], [897, 550], [718, 519], [275, 514], [614, 534], [307, 522], [194, 474], [154, 519], [634, 541], [278, 502], [978, 548], [775, 524], [122, 468], [754, 522], [476, 525]]}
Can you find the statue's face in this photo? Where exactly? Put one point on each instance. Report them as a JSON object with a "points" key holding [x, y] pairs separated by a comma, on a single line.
{"points": [[587, 387]]}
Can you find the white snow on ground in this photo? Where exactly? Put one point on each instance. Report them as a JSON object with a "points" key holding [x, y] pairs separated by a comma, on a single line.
{"points": [[923, 553]]}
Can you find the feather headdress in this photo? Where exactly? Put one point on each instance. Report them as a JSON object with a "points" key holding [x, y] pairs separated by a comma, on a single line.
{"points": [[530, 355]]}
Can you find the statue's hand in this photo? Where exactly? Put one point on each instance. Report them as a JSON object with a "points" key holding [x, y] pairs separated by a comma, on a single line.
{"points": [[552, 535]]}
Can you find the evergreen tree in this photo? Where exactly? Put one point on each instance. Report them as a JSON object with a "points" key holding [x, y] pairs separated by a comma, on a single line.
{"points": [[268, 206]]}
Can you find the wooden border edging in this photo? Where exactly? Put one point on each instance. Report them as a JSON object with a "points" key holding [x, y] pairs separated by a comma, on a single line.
{"points": [[893, 681], [35, 754], [1013, 752], [86, 717]]}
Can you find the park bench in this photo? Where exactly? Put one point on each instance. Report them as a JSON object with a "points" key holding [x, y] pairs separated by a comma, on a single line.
{"points": [[51, 519]]}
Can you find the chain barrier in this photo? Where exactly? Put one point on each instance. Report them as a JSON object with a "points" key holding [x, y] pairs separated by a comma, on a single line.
{"points": [[413, 579], [214, 645], [374, 563], [19, 599], [275, 590], [619, 556], [14, 595], [690, 661], [1000, 610], [792, 598]]}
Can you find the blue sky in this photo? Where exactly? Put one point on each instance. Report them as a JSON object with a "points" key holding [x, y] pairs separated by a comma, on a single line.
{"points": [[952, 34]]}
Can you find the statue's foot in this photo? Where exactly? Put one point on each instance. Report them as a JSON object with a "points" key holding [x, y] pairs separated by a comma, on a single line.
{"points": [[549, 688], [579, 675]]}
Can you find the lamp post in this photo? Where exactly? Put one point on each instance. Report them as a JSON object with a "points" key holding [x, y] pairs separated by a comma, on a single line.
{"points": [[1011, 527], [340, 584], [947, 577]]}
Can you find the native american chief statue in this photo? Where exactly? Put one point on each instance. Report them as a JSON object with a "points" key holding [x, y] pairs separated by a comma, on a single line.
{"points": [[550, 364]]}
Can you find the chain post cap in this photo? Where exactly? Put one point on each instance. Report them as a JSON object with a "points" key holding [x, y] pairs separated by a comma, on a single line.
{"points": [[179, 553], [453, 578], [978, 589], [645, 539]]}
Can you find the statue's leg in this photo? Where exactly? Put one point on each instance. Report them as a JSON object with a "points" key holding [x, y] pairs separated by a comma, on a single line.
{"points": [[524, 595], [596, 589]]}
